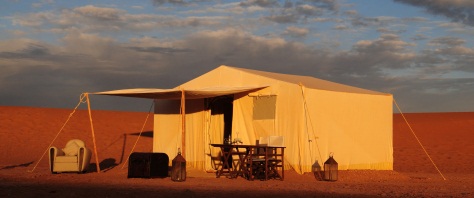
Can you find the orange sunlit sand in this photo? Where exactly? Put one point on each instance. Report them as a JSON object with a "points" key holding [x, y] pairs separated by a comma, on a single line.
{"points": [[26, 132]]}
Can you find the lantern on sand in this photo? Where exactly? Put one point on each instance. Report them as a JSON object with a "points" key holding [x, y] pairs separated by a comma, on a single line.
{"points": [[178, 168], [330, 169]]}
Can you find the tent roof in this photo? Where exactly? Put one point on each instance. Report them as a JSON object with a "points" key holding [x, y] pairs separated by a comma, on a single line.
{"points": [[175, 93], [207, 92], [308, 81]]}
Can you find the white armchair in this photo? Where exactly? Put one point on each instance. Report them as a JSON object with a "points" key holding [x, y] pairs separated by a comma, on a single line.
{"points": [[75, 157]]}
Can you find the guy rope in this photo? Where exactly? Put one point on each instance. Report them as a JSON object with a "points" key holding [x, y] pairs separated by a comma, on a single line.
{"points": [[419, 142]]}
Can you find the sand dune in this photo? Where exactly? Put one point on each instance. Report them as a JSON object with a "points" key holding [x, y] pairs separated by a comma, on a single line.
{"points": [[26, 132]]}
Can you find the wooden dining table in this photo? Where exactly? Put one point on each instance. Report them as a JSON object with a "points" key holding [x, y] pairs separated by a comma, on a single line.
{"points": [[246, 155]]}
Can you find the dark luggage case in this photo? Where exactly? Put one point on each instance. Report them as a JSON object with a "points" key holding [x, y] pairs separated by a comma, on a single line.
{"points": [[148, 165]]}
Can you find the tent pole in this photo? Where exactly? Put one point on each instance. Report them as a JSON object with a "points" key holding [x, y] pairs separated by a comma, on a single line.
{"points": [[183, 122], [93, 134]]}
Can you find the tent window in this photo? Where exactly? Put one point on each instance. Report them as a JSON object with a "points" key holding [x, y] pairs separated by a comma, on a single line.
{"points": [[264, 107]]}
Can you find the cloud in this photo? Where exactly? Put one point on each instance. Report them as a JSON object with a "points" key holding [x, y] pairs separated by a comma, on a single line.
{"points": [[386, 43], [332, 5], [448, 53], [301, 11], [105, 57], [138, 7], [99, 13], [41, 3], [419, 37], [37, 74], [450, 41], [174, 2], [34, 20], [261, 3], [308, 10], [90, 62], [86, 57], [434, 95], [161, 50], [296, 32], [106, 20], [458, 10], [284, 18]]}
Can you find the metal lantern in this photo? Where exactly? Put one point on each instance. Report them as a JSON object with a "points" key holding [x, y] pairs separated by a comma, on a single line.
{"points": [[330, 169], [178, 168]]}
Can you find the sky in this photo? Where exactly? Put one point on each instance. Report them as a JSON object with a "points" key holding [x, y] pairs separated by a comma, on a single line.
{"points": [[51, 51]]}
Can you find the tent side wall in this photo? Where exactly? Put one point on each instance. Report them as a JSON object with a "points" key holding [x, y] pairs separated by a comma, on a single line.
{"points": [[166, 131], [357, 128]]}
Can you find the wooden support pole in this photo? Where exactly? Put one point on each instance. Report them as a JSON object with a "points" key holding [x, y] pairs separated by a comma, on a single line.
{"points": [[93, 134], [183, 122]]}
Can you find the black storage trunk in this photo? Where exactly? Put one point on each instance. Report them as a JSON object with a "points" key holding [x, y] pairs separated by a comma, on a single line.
{"points": [[148, 165]]}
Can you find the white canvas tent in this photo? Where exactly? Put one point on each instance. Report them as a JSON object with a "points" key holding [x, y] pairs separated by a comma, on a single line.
{"points": [[315, 117]]}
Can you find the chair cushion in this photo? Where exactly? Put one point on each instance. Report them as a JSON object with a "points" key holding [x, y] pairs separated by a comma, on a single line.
{"points": [[71, 149], [66, 159]]}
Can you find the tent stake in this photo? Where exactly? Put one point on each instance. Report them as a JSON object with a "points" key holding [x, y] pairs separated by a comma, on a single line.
{"points": [[93, 134]]}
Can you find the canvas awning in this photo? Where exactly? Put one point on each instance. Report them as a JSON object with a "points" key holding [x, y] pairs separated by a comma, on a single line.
{"points": [[180, 94], [176, 93]]}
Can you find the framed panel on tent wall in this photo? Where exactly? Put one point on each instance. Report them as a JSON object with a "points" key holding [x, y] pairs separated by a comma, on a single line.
{"points": [[264, 112]]}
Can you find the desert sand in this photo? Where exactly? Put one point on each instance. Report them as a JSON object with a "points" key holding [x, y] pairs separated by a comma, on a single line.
{"points": [[26, 133]]}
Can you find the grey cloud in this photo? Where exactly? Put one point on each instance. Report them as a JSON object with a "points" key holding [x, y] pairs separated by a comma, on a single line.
{"points": [[360, 66], [459, 11], [327, 4], [58, 81], [450, 41], [419, 37], [358, 20], [308, 10], [288, 4], [384, 24], [161, 50], [35, 20], [32, 51], [386, 43], [414, 19], [261, 3], [294, 12], [364, 21], [450, 54], [105, 64], [100, 13], [102, 19], [340, 27], [351, 12], [86, 17], [193, 22], [174, 2], [435, 95], [296, 32], [389, 31], [284, 18]]}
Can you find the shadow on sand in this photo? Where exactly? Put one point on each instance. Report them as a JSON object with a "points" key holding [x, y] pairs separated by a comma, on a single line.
{"points": [[18, 165], [105, 165]]}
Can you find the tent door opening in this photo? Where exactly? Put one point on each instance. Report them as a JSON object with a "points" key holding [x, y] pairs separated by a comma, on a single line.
{"points": [[221, 112], [221, 123]]}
